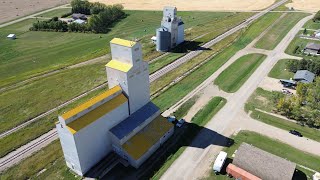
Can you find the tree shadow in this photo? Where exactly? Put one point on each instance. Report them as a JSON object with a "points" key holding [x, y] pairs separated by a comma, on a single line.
{"points": [[190, 135]]}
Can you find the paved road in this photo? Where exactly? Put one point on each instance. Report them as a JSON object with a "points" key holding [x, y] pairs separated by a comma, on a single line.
{"points": [[194, 162], [18, 156]]}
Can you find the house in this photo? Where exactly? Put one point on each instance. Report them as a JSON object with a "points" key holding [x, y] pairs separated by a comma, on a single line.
{"points": [[121, 120], [11, 36], [79, 21], [262, 164], [79, 16], [312, 48], [304, 76]]}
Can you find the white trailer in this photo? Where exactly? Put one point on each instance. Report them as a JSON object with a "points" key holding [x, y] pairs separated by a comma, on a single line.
{"points": [[219, 162], [316, 176]]}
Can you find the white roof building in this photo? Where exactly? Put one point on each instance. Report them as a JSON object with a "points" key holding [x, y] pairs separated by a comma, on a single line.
{"points": [[79, 21], [12, 36]]}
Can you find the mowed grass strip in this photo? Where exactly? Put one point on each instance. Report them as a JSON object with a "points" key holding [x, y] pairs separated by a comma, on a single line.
{"points": [[55, 13], [274, 147], [280, 70], [273, 37], [231, 79]]}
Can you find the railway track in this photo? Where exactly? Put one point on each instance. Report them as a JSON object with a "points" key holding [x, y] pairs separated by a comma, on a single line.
{"points": [[47, 138]]}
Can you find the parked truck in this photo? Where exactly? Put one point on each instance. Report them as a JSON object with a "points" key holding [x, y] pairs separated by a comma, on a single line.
{"points": [[219, 162]]}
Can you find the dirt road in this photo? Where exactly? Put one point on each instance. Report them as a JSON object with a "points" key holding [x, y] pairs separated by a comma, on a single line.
{"points": [[194, 162]]}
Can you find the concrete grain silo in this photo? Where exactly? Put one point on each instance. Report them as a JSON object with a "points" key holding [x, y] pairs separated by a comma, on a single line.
{"points": [[163, 39]]}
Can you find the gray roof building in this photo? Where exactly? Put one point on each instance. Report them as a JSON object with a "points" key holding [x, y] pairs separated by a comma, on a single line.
{"points": [[263, 164], [79, 16], [312, 48], [304, 76]]}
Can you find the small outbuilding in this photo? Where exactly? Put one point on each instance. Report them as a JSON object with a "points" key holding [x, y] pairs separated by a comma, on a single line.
{"points": [[312, 48], [12, 36], [304, 76], [263, 164], [76, 16], [316, 176]]}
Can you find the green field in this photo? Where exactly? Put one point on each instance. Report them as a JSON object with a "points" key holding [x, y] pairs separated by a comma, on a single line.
{"points": [[35, 53], [312, 25], [274, 147], [176, 92], [279, 71], [231, 79], [273, 37], [263, 100], [55, 13]]}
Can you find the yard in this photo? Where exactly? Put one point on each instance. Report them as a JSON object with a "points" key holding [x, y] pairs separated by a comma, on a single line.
{"points": [[264, 100], [231, 79], [280, 71], [273, 37], [274, 147]]}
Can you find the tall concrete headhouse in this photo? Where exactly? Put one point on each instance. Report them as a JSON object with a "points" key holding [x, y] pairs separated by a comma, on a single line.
{"points": [[171, 32], [122, 119]]}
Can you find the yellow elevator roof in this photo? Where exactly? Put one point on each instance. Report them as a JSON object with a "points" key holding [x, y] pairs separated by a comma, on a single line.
{"points": [[114, 64], [97, 113], [90, 103], [140, 143], [123, 42]]}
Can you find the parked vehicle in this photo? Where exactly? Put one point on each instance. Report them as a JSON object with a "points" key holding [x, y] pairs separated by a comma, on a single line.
{"points": [[219, 162], [296, 133], [286, 91], [171, 119], [180, 123]]}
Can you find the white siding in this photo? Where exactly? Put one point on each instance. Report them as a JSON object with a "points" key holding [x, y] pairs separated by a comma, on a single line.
{"points": [[180, 34], [93, 142]]}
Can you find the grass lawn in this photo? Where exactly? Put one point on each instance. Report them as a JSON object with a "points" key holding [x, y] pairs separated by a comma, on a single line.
{"points": [[201, 119], [184, 108], [38, 52], [272, 38], [231, 79], [274, 147], [55, 13], [175, 93], [312, 25], [263, 100], [279, 71]]}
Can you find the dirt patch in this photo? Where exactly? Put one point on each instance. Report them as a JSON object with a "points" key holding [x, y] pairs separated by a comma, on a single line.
{"points": [[305, 5], [13, 9], [187, 5], [262, 99]]}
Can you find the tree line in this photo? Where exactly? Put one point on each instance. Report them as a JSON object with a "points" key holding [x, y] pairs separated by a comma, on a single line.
{"points": [[316, 17], [310, 65], [304, 106], [102, 18]]}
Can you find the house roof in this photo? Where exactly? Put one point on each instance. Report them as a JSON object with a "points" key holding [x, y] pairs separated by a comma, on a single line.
{"points": [[79, 21], [123, 42], [304, 76], [140, 143], [134, 120], [234, 170], [118, 65], [11, 35], [313, 46], [263, 164], [97, 113]]}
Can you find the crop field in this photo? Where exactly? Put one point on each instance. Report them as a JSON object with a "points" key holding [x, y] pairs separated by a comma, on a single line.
{"points": [[274, 147], [35, 53], [280, 71], [231, 79], [273, 37]]}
